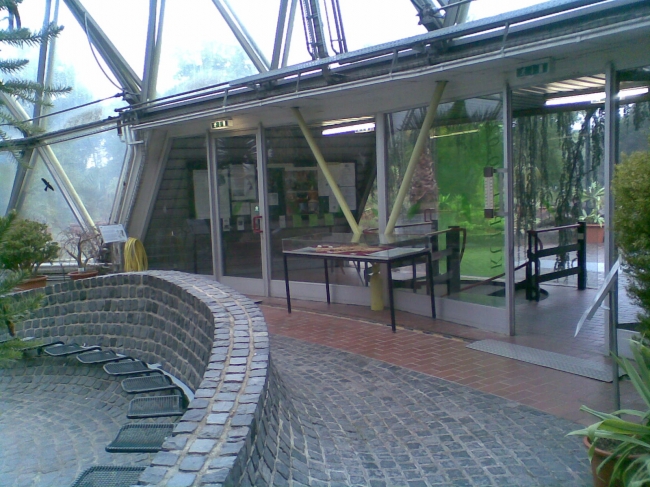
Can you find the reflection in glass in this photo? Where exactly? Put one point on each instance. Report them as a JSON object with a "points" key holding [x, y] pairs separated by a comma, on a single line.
{"points": [[447, 189], [301, 202], [7, 174], [239, 208]]}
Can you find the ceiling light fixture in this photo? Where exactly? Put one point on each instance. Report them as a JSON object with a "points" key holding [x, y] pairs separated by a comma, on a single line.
{"points": [[594, 97], [357, 129]]}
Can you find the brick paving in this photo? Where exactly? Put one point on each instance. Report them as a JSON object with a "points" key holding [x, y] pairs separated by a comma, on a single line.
{"points": [[56, 417], [376, 424]]}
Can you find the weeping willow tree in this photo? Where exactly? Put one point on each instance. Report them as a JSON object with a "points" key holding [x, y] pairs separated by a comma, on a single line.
{"points": [[556, 158]]}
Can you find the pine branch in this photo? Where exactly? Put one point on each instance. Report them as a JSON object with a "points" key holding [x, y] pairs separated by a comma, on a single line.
{"points": [[12, 65], [25, 37]]}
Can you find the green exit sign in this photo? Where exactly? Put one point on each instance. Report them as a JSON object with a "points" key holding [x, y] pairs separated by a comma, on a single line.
{"points": [[533, 69], [221, 124]]}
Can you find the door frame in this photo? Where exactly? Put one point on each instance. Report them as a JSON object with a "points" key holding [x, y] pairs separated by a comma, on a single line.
{"points": [[254, 286]]}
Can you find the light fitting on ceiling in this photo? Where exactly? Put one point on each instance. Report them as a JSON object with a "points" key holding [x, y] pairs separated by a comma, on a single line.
{"points": [[356, 129], [595, 97]]}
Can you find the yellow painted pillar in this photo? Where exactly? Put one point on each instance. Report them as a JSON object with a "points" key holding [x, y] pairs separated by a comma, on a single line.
{"points": [[420, 144], [326, 172]]}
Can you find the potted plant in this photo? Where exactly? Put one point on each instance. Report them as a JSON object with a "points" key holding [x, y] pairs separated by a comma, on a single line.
{"points": [[83, 246], [26, 245], [13, 307], [592, 214], [619, 448]]}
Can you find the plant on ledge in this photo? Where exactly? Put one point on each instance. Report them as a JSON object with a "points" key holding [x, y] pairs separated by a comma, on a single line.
{"points": [[13, 308], [82, 245], [26, 245]]}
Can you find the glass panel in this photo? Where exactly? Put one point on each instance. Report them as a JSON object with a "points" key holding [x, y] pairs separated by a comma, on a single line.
{"points": [[77, 67], [239, 209], [633, 144], [45, 206], [131, 46], [178, 237], [7, 175], [301, 203], [490, 8], [204, 55], [558, 181], [447, 193], [260, 17], [368, 25], [93, 165]]}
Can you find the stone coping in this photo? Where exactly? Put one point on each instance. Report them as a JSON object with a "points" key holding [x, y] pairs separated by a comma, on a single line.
{"points": [[210, 337]]}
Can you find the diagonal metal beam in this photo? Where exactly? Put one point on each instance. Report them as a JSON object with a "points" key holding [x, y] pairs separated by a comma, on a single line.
{"points": [[279, 34], [56, 170], [289, 34], [420, 144], [244, 38], [152, 52], [129, 81]]}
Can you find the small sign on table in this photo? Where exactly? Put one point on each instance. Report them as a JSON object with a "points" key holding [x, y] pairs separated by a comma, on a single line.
{"points": [[113, 233]]}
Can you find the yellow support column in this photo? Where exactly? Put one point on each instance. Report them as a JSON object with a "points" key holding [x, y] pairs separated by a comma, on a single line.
{"points": [[326, 172], [420, 144]]}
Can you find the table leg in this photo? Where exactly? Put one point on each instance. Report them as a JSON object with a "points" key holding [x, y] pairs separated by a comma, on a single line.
{"points": [[327, 281], [286, 283], [430, 285], [390, 296]]}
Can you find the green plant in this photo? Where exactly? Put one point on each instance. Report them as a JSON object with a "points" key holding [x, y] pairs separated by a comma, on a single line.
{"points": [[629, 439], [82, 245], [26, 245], [631, 187], [13, 308], [593, 198], [24, 90]]}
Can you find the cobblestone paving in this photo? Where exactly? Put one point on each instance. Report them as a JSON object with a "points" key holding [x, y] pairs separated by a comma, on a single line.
{"points": [[56, 418], [376, 424]]}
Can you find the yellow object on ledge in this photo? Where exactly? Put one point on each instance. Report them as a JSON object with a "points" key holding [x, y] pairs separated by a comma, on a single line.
{"points": [[135, 258]]}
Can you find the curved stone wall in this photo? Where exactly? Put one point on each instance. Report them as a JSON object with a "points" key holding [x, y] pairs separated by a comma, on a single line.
{"points": [[213, 339]]}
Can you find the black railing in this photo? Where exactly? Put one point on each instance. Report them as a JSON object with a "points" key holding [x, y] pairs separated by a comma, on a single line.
{"points": [[536, 251]]}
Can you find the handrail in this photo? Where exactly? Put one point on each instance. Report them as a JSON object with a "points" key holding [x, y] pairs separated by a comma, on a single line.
{"points": [[600, 295], [554, 229]]}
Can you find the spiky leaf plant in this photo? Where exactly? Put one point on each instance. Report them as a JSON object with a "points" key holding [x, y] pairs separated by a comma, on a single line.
{"points": [[11, 85]]}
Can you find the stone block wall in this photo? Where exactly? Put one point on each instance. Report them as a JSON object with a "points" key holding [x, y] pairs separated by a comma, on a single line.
{"points": [[210, 337]]}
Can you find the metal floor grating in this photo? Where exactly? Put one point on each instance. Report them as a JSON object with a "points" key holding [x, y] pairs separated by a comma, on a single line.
{"points": [[156, 407], [140, 438], [108, 476], [148, 383], [127, 367], [552, 360], [70, 349], [100, 357]]}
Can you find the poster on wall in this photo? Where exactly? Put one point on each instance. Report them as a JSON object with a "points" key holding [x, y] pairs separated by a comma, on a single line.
{"points": [[201, 194], [243, 182], [345, 177]]}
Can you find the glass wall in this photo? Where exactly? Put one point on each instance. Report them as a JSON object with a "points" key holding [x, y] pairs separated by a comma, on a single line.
{"points": [[447, 192], [239, 206], [178, 236], [300, 200]]}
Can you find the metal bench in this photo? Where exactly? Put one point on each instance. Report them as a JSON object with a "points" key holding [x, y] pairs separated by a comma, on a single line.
{"points": [[129, 367], [108, 476], [140, 438], [70, 349], [156, 406], [100, 357], [148, 383]]}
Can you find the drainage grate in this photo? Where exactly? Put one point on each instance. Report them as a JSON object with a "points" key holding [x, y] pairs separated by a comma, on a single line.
{"points": [[552, 360]]}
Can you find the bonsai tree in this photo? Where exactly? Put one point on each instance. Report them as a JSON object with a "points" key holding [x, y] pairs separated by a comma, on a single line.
{"points": [[26, 245], [631, 188], [82, 245]]}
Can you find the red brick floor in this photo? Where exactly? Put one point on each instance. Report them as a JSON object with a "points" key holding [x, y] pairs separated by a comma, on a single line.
{"points": [[438, 348]]}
